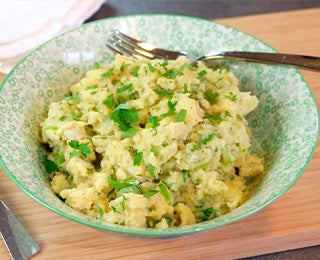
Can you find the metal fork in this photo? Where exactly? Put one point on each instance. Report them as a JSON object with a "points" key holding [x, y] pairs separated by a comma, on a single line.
{"points": [[124, 44]]}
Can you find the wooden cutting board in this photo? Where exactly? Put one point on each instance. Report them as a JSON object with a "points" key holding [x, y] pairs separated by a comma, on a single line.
{"points": [[290, 222]]}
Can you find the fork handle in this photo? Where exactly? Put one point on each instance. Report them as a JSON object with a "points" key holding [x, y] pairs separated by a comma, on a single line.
{"points": [[302, 61]]}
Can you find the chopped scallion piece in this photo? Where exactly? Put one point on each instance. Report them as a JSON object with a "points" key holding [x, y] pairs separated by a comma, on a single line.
{"points": [[154, 150], [206, 140], [99, 210], [211, 96], [150, 169], [134, 71], [63, 118], [124, 88], [109, 101], [150, 193], [202, 73], [129, 189], [118, 185], [91, 87], [151, 67], [107, 74], [130, 132], [80, 148], [207, 213], [96, 65], [49, 165]]}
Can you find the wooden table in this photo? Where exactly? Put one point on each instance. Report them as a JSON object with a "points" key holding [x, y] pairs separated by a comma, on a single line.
{"points": [[290, 222]]}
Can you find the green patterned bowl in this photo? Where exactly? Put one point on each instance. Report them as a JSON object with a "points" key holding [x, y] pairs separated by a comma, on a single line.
{"points": [[285, 124]]}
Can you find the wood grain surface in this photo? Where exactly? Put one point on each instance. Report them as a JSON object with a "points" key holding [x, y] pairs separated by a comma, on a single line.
{"points": [[290, 222]]}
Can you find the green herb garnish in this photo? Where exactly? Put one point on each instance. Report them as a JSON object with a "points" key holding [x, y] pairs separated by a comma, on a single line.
{"points": [[91, 87], [118, 185], [137, 159], [202, 73], [151, 67], [181, 115], [232, 96], [81, 149], [72, 96], [165, 193], [129, 189], [75, 115]]}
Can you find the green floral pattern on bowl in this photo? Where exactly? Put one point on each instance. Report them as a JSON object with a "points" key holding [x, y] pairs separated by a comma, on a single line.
{"points": [[285, 124]]}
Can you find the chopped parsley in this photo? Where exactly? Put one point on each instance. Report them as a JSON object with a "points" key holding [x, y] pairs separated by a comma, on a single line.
{"points": [[214, 119], [107, 74], [109, 101], [75, 115], [124, 116], [151, 67], [124, 88], [163, 93], [99, 210], [152, 122], [165, 193], [137, 159], [150, 193], [211, 96], [172, 74], [81, 149], [150, 169], [232, 96], [172, 109], [154, 150], [181, 115], [207, 213], [134, 71], [63, 118], [130, 132], [206, 140], [49, 165], [202, 73]]}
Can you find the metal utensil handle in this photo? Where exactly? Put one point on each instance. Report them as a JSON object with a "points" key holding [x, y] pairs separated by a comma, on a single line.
{"points": [[19, 242], [302, 61]]}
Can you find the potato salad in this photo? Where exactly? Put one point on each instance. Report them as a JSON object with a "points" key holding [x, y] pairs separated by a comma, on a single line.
{"points": [[152, 144]]}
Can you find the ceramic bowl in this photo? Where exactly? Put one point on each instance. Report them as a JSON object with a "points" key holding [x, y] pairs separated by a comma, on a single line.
{"points": [[284, 126]]}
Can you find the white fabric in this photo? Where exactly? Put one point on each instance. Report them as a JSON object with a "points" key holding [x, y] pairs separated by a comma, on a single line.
{"points": [[24, 24]]}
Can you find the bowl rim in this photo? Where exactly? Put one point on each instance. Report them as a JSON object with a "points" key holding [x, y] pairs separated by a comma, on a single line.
{"points": [[176, 231]]}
